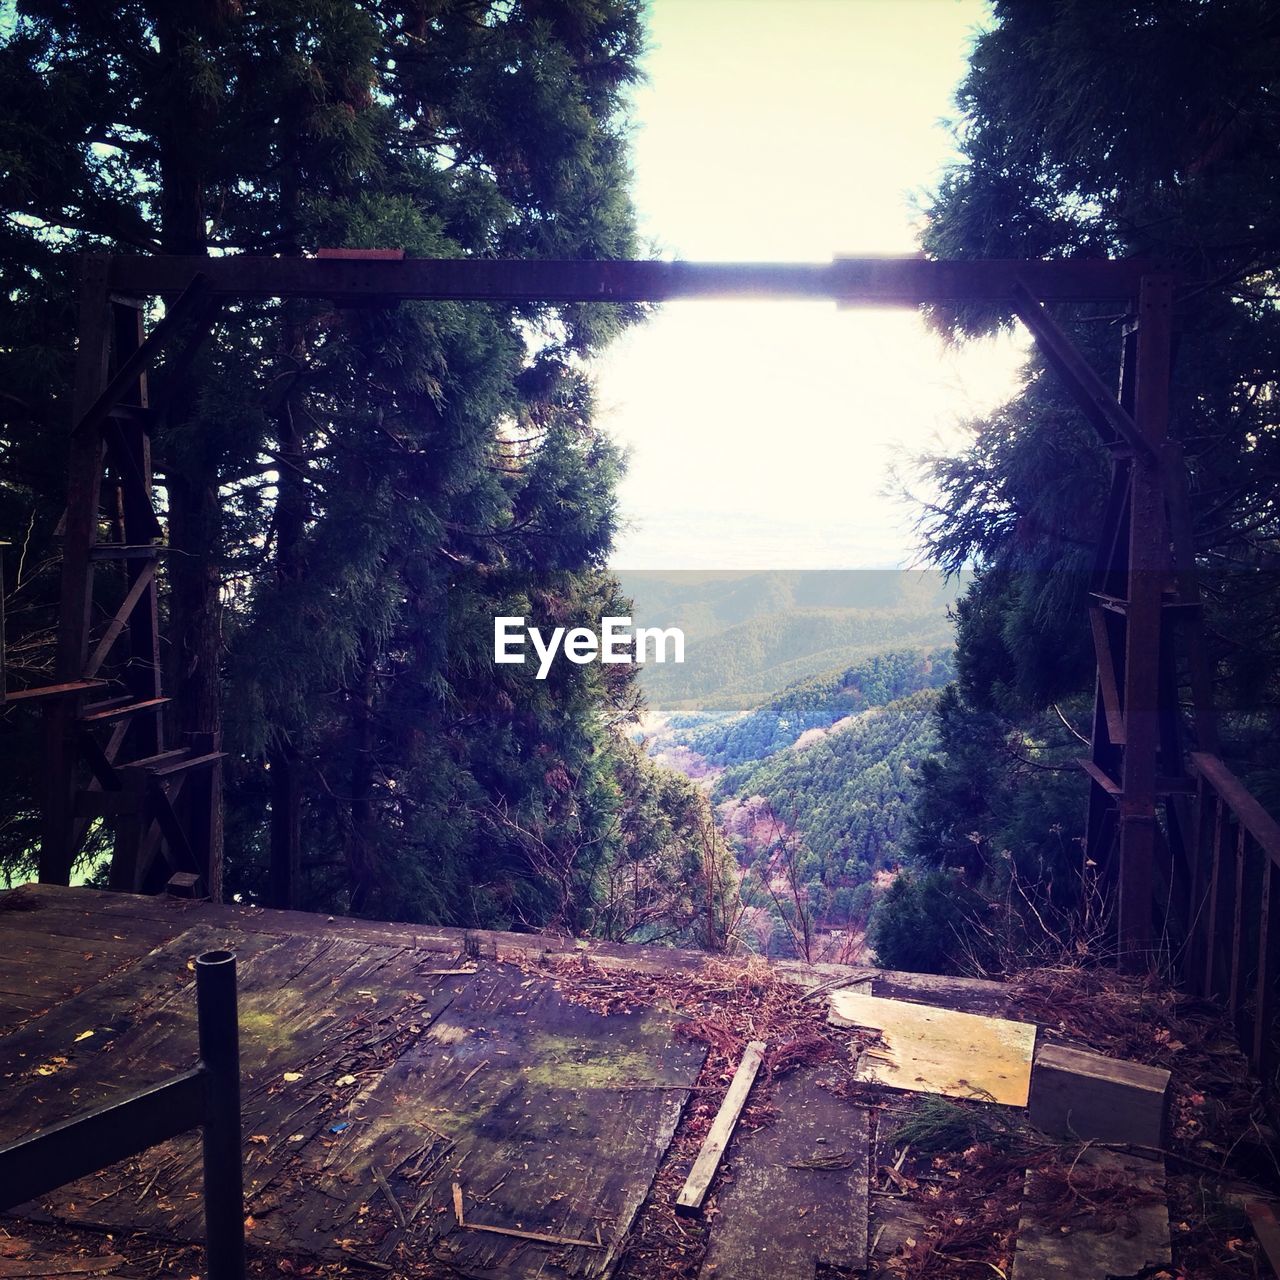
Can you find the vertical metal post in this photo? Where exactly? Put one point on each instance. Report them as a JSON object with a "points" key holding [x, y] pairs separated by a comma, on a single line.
{"points": [[223, 1167], [1147, 572], [80, 532]]}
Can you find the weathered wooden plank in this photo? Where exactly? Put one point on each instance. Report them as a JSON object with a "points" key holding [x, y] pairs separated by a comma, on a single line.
{"points": [[798, 1193], [315, 1017], [57, 975], [89, 905], [66, 949], [52, 690], [98, 904], [704, 1168], [1087, 1096], [1260, 824], [46, 1265], [15, 1010], [526, 1099], [932, 1050], [1262, 1217], [133, 1020]]}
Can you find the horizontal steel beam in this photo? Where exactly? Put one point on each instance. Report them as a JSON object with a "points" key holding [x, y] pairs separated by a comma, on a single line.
{"points": [[49, 1159], [876, 282]]}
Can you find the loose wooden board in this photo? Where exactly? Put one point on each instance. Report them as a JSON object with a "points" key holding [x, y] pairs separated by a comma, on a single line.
{"points": [[795, 1191], [1045, 1252], [704, 1168], [931, 1050]]}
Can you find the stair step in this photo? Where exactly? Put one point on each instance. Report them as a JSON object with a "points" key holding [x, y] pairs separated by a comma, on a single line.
{"points": [[158, 761], [124, 551], [156, 767], [52, 691], [119, 708]]}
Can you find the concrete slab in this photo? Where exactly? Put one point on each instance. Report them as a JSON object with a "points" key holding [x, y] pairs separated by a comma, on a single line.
{"points": [[1095, 1242]]}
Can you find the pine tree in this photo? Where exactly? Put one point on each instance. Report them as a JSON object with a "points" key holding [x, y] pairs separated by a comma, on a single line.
{"points": [[1108, 129], [351, 495]]}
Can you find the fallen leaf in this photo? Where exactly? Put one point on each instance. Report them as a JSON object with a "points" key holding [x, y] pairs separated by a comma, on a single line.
{"points": [[259, 1139], [84, 1035], [343, 1080], [291, 1076]]}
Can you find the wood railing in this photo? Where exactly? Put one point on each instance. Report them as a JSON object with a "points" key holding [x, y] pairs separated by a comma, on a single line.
{"points": [[1231, 899]]}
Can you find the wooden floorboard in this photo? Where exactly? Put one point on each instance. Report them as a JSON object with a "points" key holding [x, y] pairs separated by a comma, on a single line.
{"points": [[544, 1112], [383, 1064], [794, 1193], [130, 1030], [317, 1019]]}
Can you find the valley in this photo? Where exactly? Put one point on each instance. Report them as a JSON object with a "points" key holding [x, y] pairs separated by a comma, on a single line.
{"points": [[804, 709]]}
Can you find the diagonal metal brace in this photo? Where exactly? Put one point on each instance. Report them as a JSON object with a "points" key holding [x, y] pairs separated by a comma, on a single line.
{"points": [[191, 303], [1099, 405]]}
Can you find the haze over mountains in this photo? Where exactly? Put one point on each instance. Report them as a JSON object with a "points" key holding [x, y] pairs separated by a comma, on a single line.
{"points": [[804, 705], [751, 634]]}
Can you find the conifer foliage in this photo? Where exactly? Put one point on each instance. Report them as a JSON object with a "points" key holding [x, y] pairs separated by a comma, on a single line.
{"points": [[350, 495], [1099, 129]]}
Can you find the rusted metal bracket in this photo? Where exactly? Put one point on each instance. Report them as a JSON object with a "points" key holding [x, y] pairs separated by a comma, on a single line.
{"points": [[1098, 404]]}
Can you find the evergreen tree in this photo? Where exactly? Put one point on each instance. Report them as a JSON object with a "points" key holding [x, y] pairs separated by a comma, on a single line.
{"points": [[1106, 129], [350, 495]]}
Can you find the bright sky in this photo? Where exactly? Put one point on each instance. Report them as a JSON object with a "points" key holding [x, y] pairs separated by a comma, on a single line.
{"points": [[764, 435]]}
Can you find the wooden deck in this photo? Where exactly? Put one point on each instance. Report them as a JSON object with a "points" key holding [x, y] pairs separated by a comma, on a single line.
{"points": [[383, 1064]]}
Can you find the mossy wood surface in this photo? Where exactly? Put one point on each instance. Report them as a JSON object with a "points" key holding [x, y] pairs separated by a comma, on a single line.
{"points": [[793, 1193], [375, 1073]]}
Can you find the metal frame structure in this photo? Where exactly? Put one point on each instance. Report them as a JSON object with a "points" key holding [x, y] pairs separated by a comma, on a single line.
{"points": [[1136, 761], [208, 1096]]}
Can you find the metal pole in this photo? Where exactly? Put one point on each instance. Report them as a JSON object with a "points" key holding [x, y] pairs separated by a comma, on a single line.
{"points": [[1148, 572], [223, 1168]]}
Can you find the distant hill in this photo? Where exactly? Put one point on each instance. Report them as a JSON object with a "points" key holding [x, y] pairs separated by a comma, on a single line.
{"points": [[842, 801], [750, 635], [815, 704]]}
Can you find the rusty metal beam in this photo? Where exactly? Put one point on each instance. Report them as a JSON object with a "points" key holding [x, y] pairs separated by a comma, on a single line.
{"points": [[869, 281], [1100, 406], [1148, 570]]}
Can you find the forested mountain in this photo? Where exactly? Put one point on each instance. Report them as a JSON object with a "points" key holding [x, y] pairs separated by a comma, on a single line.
{"points": [[1092, 129], [814, 788], [345, 492], [842, 801], [750, 635], [818, 703]]}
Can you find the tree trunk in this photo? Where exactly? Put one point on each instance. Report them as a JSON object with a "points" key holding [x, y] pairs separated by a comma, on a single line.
{"points": [[360, 830], [284, 771], [284, 761], [184, 123]]}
